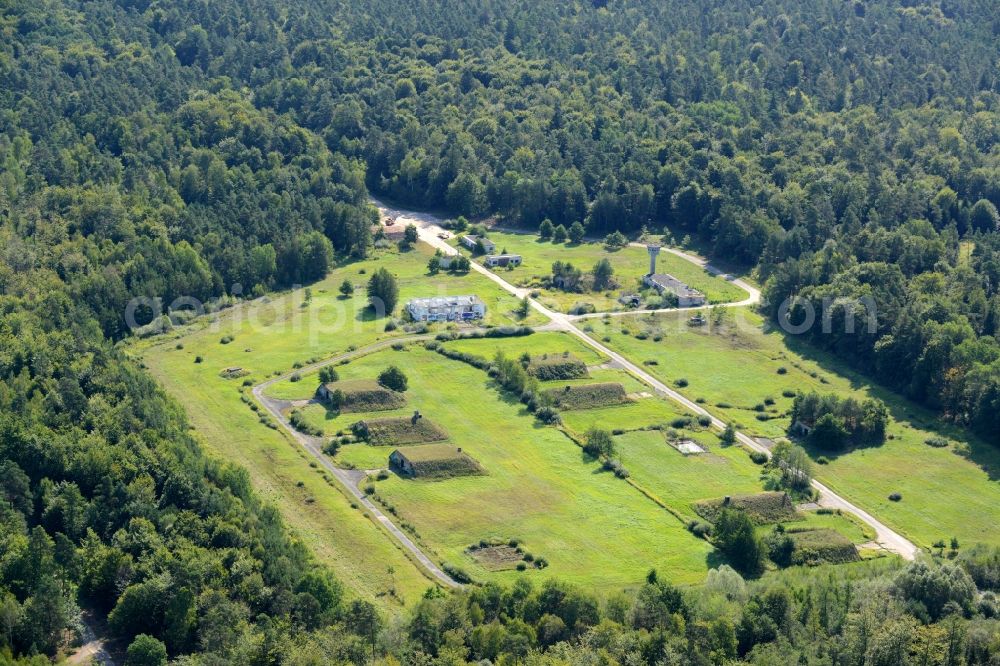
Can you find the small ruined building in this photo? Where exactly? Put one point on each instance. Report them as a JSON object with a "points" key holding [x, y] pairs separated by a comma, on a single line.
{"points": [[446, 308], [471, 240], [502, 260], [664, 283]]}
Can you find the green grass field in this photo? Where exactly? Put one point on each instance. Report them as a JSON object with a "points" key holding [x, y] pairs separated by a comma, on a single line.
{"points": [[270, 336], [593, 528], [629, 263], [946, 492]]}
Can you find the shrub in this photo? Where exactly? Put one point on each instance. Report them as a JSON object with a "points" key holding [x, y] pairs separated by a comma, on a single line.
{"points": [[393, 378], [296, 377], [226, 339], [822, 460], [681, 422], [700, 528], [521, 566], [937, 442], [328, 374], [782, 370], [895, 497], [788, 393], [197, 359], [548, 415], [758, 457], [681, 383], [457, 574], [704, 420], [391, 326]]}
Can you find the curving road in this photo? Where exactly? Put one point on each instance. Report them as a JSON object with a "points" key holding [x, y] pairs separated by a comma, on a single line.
{"points": [[429, 227]]}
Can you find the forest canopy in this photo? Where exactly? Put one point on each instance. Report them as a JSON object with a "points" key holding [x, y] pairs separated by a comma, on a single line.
{"points": [[842, 150]]}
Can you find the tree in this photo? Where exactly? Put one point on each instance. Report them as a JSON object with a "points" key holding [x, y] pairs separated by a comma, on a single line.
{"points": [[383, 292], [602, 274], [410, 235], [545, 229], [346, 288], [559, 234], [735, 535], [460, 264], [362, 618], [393, 378], [984, 216], [615, 240], [728, 436], [936, 585], [599, 443], [434, 264], [576, 232], [794, 464], [328, 374], [146, 651]]}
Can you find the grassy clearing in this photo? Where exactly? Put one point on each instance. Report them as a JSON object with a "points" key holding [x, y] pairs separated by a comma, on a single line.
{"points": [[680, 480], [629, 263], [540, 488], [271, 336], [950, 491], [537, 345], [345, 539]]}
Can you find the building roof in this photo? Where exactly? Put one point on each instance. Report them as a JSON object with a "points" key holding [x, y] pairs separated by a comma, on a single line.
{"points": [[445, 301], [673, 284], [473, 239], [503, 256]]}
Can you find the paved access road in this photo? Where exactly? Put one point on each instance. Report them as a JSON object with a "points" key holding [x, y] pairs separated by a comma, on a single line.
{"points": [[429, 228], [350, 479]]}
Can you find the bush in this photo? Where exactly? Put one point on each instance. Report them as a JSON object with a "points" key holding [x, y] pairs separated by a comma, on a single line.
{"points": [[681, 383], [704, 420], [758, 457], [328, 374], [782, 370], [296, 377], [457, 574], [788, 393], [226, 339], [895, 497], [822, 460], [393, 378], [197, 359], [700, 528], [937, 442], [548, 415]]}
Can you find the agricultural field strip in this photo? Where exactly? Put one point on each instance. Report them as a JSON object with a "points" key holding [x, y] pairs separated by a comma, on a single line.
{"points": [[345, 478], [429, 229]]}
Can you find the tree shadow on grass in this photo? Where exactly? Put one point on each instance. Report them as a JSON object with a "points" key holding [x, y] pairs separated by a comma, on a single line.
{"points": [[903, 411]]}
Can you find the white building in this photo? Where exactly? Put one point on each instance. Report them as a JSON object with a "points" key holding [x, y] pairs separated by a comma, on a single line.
{"points": [[493, 260], [472, 240], [686, 296], [446, 308], [661, 282]]}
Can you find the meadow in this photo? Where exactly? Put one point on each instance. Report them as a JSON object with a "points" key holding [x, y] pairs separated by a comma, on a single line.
{"points": [[629, 263], [539, 487], [736, 367], [270, 336]]}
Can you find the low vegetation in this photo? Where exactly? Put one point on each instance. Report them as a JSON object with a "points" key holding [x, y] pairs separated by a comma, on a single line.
{"points": [[415, 429], [552, 367], [762, 508], [587, 396], [363, 395]]}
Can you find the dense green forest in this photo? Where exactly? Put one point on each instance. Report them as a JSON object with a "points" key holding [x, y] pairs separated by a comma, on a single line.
{"points": [[224, 148]]}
